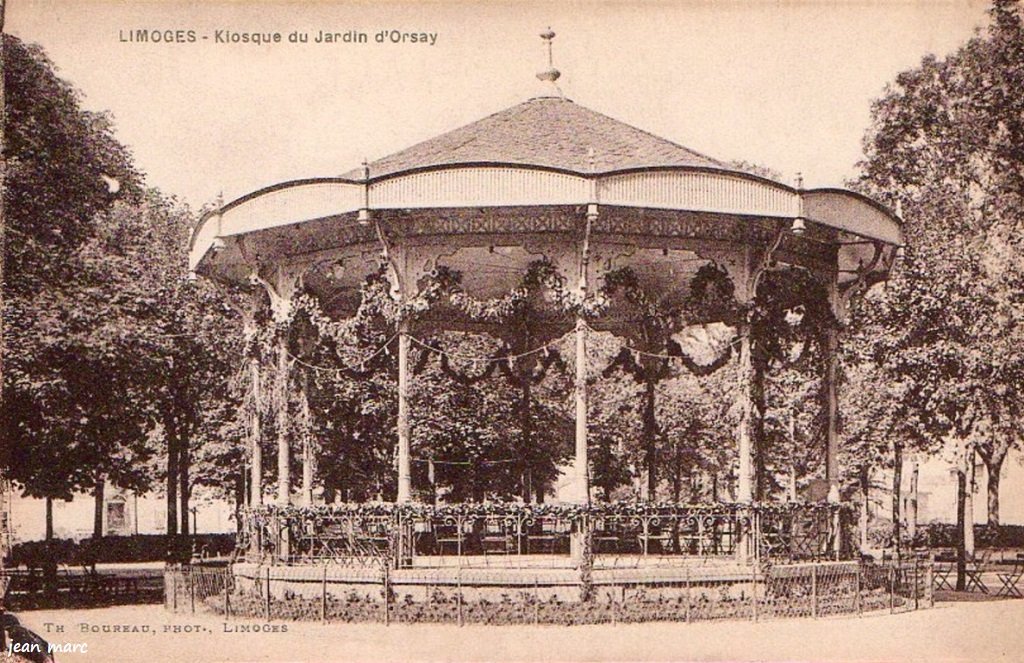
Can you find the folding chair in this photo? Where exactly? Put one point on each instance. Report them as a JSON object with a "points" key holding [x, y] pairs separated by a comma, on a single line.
{"points": [[975, 567], [1010, 580], [943, 571]]}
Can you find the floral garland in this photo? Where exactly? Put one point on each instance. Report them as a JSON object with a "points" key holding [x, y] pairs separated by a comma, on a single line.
{"points": [[566, 511], [540, 275], [625, 279]]}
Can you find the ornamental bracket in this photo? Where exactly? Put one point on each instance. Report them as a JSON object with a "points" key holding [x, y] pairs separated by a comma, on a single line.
{"points": [[840, 298], [755, 272], [281, 286], [394, 273]]}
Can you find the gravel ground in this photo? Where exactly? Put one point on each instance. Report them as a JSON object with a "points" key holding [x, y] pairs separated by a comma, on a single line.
{"points": [[964, 631]]}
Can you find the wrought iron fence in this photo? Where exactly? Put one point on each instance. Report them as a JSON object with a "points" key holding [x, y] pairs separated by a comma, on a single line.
{"points": [[582, 595], [404, 533]]}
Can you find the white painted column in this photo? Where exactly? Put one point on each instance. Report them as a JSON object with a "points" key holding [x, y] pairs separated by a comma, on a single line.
{"points": [[404, 460], [581, 466], [284, 460], [256, 437], [281, 287], [307, 446], [744, 478], [832, 412]]}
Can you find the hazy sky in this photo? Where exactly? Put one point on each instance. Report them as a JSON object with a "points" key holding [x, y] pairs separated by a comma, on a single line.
{"points": [[783, 84]]}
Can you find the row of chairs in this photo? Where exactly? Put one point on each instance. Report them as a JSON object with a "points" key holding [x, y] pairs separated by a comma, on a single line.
{"points": [[1009, 573]]}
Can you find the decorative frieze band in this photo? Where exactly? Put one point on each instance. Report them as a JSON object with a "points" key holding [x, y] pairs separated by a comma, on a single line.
{"points": [[734, 200]]}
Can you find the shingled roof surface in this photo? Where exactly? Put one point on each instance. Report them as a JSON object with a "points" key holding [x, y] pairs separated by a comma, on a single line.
{"points": [[545, 131]]}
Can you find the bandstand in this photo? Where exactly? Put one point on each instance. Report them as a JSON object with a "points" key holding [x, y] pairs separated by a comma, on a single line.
{"points": [[588, 207]]}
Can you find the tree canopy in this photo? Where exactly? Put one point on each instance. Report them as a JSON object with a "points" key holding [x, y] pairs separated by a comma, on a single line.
{"points": [[944, 335]]}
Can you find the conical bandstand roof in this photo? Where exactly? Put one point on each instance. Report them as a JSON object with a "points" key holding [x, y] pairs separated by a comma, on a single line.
{"points": [[548, 132]]}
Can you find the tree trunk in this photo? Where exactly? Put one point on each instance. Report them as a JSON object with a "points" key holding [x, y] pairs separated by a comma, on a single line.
{"points": [[961, 550], [650, 434], [172, 484], [757, 399], [897, 481], [969, 505], [97, 512], [912, 516], [49, 518], [993, 466], [915, 500], [184, 460], [677, 486], [865, 488], [239, 497], [791, 492], [50, 563], [992, 487], [677, 472], [526, 428]]}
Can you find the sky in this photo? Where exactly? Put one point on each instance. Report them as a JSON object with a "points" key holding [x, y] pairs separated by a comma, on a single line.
{"points": [[787, 85]]}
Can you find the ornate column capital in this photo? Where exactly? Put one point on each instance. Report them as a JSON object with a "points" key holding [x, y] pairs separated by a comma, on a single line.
{"points": [[281, 285]]}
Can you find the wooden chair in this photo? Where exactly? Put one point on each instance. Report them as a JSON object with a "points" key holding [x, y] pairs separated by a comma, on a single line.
{"points": [[497, 538], [657, 535], [545, 536], [606, 537], [448, 536]]}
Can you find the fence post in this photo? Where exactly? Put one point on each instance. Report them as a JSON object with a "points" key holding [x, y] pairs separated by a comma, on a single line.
{"points": [[192, 589], [387, 595], [227, 601], [929, 580], [892, 589], [536, 600], [615, 606], [458, 596], [814, 590], [174, 590], [857, 596], [689, 594], [753, 591], [917, 581], [323, 597], [266, 603]]}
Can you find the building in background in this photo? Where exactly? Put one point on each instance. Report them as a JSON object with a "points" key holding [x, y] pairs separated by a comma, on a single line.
{"points": [[124, 514]]}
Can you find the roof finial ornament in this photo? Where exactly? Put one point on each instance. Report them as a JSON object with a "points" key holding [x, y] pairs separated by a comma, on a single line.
{"points": [[550, 75]]}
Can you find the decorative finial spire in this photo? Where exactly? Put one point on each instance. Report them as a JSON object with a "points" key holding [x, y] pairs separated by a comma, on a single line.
{"points": [[550, 75]]}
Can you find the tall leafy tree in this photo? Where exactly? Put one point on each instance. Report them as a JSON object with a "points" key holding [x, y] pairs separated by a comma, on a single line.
{"points": [[180, 339], [64, 168], [946, 142]]}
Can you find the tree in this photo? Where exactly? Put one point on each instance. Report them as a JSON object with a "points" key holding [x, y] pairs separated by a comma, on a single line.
{"points": [[62, 164], [946, 142], [180, 340]]}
